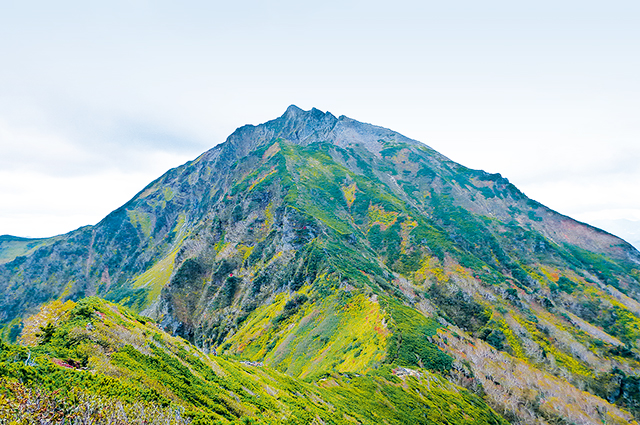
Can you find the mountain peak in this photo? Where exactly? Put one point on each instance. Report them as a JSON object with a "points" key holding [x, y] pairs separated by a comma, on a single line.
{"points": [[302, 127], [293, 111]]}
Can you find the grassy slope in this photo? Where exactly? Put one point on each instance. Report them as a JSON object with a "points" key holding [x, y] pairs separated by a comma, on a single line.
{"points": [[339, 333], [12, 247], [97, 348]]}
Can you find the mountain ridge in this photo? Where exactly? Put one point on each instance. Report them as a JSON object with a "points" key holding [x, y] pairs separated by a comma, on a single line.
{"points": [[320, 245]]}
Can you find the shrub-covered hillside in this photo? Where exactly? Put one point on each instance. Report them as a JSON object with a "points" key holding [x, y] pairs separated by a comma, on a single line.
{"points": [[94, 359]]}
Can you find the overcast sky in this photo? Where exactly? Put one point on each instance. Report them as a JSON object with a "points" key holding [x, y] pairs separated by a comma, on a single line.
{"points": [[97, 100]]}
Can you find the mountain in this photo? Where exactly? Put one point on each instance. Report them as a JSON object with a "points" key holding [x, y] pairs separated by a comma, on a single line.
{"points": [[326, 247], [12, 246]]}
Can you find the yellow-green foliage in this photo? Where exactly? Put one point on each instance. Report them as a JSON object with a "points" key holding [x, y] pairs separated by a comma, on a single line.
{"points": [[156, 278], [49, 314], [142, 219], [627, 324], [11, 330], [21, 404], [66, 291], [611, 314], [343, 332], [534, 274], [513, 341], [268, 216], [168, 193], [319, 189], [252, 339], [349, 193], [550, 273], [410, 345], [339, 226], [260, 179], [245, 251], [179, 228], [134, 363], [575, 330], [377, 215], [562, 359], [432, 270], [159, 274]]}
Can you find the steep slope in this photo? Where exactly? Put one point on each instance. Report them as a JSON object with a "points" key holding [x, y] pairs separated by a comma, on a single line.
{"points": [[317, 244]]}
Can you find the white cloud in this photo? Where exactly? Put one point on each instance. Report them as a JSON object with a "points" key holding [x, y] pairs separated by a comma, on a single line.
{"points": [[29, 149], [545, 93], [41, 205]]}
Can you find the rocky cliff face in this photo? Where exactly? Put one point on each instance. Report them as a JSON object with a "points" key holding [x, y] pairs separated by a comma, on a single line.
{"points": [[316, 240]]}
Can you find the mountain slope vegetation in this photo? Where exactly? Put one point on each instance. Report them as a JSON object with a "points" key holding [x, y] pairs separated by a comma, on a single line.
{"points": [[336, 251], [100, 362]]}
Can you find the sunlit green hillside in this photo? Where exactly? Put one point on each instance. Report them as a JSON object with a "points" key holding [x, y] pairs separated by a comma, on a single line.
{"points": [[99, 360]]}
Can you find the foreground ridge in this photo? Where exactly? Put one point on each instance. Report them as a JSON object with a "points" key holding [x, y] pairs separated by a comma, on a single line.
{"points": [[139, 374]]}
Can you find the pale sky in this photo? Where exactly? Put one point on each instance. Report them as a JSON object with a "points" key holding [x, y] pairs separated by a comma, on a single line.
{"points": [[97, 100]]}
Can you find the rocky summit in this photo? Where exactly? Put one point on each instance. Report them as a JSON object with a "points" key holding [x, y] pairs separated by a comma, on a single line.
{"points": [[316, 269]]}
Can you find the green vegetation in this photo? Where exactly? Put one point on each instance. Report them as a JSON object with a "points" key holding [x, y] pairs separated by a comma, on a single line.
{"points": [[410, 344], [459, 308], [309, 336], [563, 284], [133, 367]]}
